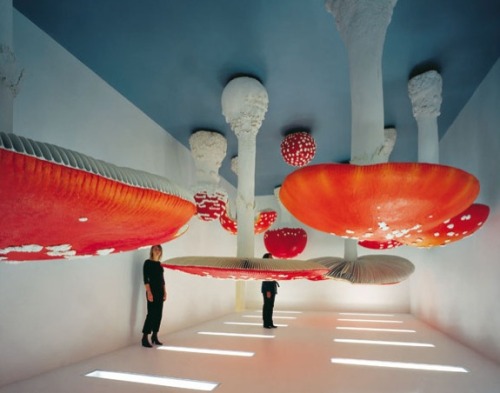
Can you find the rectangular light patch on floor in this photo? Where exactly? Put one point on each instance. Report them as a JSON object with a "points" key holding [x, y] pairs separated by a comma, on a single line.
{"points": [[378, 342], [237, 334], [368, 320], [274, 316], [206, 351], [376, 329], [366, 314], [155, 380], [410, 366], [251, 324]]}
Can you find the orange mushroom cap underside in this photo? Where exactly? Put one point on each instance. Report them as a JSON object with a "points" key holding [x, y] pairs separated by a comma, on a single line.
{"points": [[377, 202]]}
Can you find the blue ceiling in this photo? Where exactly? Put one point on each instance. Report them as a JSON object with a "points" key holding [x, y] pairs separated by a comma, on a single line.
{"points": [[172, 59]]}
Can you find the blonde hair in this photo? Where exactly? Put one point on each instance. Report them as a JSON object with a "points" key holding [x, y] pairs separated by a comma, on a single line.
{"points": [[153, 247]]}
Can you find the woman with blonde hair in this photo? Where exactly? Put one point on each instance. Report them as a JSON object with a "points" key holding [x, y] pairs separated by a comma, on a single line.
{"points": [[155, 295]]}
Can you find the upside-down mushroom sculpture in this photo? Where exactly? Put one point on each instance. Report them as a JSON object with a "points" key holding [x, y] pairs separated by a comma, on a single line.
{"points": [[298, 148], [368, 269], [377, 202], [244, 104], [263, 220], [208, 149], [285, 241], [237, 268], [57, 203]]}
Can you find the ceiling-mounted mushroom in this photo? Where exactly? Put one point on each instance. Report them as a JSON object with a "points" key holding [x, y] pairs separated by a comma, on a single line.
{"points": [[57, 203], [377, 202], [263, 221], [451, 230], [210, 204], [237, 268], [285, 241], [298, 148], [208, 149], [368, 269]]}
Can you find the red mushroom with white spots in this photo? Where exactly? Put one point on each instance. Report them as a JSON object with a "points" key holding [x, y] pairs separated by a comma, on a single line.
{"points": [[285, 242], [298, 149], [263, 221], [210, 205]]}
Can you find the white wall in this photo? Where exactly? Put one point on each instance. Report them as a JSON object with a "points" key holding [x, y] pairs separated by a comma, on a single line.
{"points": [[59, 312], [456, 289]]}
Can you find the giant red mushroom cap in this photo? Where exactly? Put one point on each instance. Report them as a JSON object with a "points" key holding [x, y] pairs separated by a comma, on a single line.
{"points": [[57, 203], [235, 268], [377, 202], [452, 230], [298, 149], [285, 242]]}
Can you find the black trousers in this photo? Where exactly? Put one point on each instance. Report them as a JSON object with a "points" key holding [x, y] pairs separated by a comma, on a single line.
{"points": [[155, 311], [267, 310]]}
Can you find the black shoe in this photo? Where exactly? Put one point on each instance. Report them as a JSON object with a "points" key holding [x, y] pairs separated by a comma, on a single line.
{"points": [[145, 343], [154, 340], [273, 326], [267, 327]]}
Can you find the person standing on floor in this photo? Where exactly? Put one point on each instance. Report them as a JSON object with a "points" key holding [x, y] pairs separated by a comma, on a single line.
{"points": [[155, 295], [269, 290]]}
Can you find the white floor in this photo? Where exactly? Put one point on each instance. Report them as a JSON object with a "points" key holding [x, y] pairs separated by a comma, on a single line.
{"points": [[297, 358]]}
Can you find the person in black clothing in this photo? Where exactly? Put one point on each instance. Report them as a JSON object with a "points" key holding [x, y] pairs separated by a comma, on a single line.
{"points": [[269, 290], [155, 294]]}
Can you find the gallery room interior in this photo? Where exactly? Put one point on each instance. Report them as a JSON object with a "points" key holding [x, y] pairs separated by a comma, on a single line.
{"points": [[355, 141]]}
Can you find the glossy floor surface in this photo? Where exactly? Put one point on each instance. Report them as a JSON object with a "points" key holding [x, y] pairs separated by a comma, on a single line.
{"points": [[302, 355]]}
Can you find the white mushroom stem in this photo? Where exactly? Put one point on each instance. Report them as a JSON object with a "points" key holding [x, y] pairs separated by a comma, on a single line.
{"points": [[285, 218], [425, 95], [9, 76], [350, 249], [362, 25], [244, 104]]}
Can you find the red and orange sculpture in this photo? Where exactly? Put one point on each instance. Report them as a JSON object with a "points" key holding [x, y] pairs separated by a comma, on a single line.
{"points": [[377, 202], [57, 203]]}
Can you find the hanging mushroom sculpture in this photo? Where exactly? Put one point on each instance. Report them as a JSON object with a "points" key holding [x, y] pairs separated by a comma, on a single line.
{"points": [[298, 148], [285, 241], [57, 203], [208, 149]]}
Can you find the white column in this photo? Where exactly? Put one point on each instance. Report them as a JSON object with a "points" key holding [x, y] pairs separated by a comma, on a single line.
{"points": [[10, 76], [244, 104], [362, 25], [425, 95]]}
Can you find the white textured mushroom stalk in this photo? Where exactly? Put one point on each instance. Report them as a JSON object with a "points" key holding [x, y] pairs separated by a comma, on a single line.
{"points": [[424, 91], [10, 73], [362, 25], [244, 105], [234, 165], [208, 149], [390, 136]]}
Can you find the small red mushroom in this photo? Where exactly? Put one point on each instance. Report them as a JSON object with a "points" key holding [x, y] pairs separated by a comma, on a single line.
{"points": [[210, 206], [298, 149], [285, 242], [263, 221]]}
